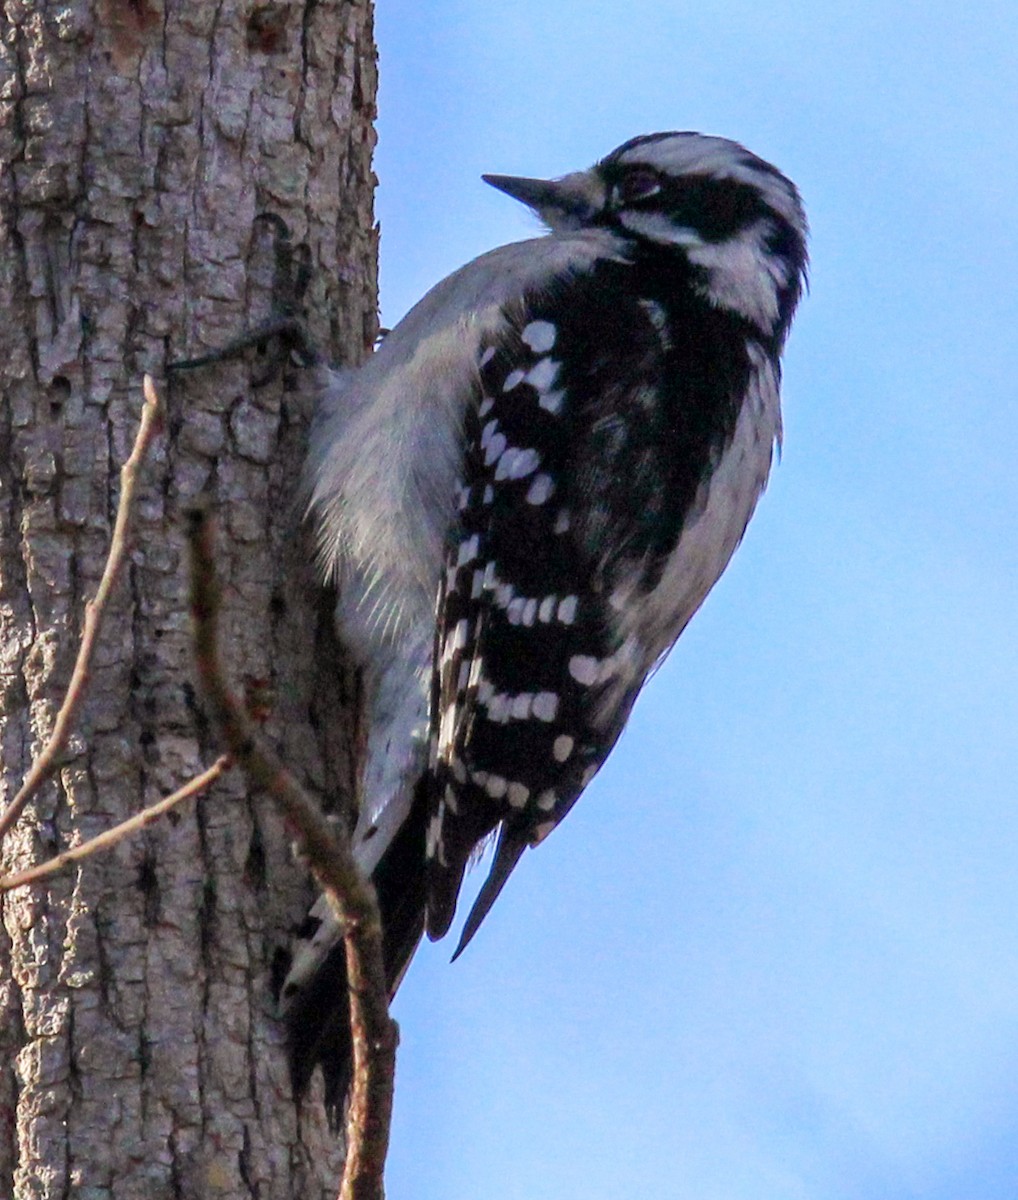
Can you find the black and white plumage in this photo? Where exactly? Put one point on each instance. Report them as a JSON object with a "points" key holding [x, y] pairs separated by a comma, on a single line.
{"points": [[524, 496]]}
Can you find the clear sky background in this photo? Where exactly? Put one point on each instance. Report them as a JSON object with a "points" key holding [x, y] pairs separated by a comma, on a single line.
{"points": [[772, 954]]}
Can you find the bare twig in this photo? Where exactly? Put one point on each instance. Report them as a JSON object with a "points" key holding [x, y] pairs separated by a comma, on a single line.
{"points": [[329, 854], [48, 761], [110, 838]]}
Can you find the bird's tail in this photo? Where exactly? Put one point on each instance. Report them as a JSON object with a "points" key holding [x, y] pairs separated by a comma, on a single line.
{"points": [[315, 1002]]}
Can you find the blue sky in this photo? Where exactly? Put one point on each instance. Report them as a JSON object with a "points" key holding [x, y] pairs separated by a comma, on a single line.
{"points": [[772, 953]]}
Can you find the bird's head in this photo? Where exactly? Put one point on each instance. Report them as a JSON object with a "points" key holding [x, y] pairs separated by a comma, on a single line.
{"points": [[730, 214]]}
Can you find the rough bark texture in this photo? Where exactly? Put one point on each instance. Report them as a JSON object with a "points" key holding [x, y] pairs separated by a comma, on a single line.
{"points": [[139, 1052]]}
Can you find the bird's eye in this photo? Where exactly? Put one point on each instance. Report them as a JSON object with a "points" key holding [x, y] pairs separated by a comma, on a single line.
{"points": [[638, 185]]}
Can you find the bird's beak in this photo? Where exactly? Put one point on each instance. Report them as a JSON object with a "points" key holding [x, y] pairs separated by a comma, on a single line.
{"points": [[535, 193], [568, 202]]}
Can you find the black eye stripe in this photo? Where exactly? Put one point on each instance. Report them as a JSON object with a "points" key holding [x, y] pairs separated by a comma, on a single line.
{"points": [[715, 208]]}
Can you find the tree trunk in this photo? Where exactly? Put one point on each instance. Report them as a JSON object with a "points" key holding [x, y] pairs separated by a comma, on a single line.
{"points": [[139, 1051]]}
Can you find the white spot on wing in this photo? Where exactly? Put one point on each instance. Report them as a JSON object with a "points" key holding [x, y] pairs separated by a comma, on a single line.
{"points": [[562, 747], [545, 707], [539, 336], [552, 401], [447, 730], [541, 488], [526, 461], [433, 839], [496, 786], [488, 432], [584, 669], [567, 610], [496, 445], [456, 642], [518, 795], [542, 375], [505, 463], [516, 463], [468, 550]]}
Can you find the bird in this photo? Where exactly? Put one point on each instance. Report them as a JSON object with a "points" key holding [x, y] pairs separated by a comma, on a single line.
{"points": [[523, 496]]}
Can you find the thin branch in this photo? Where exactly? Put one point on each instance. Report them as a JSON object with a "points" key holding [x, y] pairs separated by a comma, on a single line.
{"points": [[110, 838], [48, 761], [329, 854]]}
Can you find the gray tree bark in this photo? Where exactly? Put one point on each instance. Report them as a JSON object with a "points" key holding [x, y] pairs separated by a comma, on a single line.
{"points": [[139, 1051]]}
